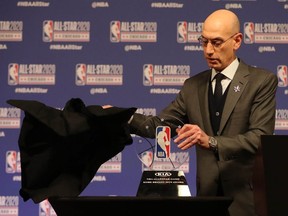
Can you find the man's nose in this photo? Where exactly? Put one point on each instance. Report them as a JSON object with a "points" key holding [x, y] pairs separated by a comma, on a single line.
{"points": [[209, 48]]}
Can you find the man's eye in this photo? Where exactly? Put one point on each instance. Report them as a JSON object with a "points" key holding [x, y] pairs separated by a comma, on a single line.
{"points": [[217, 42]]}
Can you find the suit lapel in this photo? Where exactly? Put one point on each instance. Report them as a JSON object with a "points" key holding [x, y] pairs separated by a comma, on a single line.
{"points": [[203, 88], [235, 90]]}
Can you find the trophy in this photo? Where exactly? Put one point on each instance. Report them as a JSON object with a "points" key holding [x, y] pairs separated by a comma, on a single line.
{"points": [[163, 163]]}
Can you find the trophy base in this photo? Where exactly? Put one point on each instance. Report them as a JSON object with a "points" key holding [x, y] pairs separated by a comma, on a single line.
{"points": [[163, 183]]}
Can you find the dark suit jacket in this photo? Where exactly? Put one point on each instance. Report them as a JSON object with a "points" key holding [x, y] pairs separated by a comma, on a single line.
{"points": [[61, 150], [249, 112]]}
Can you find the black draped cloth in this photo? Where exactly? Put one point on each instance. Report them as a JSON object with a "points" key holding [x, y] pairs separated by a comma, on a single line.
{"points": [[61, 150]]}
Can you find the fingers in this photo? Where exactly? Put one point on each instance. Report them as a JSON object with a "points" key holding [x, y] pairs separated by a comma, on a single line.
{"points": [[187, 143], [188, 136], [183, 132], [106, 106]]}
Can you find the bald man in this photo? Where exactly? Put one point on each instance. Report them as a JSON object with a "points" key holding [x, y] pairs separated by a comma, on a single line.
{"points": [[226, 134]]}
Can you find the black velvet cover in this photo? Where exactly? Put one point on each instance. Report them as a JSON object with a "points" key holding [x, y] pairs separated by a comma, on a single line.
{"points": [[61, 150]]}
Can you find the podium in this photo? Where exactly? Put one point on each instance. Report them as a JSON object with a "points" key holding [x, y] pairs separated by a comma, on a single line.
{"points": [[130, 206], [271, 176]]}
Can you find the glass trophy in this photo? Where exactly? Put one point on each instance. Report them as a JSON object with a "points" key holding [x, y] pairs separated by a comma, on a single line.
{"points": [[163, 163]]}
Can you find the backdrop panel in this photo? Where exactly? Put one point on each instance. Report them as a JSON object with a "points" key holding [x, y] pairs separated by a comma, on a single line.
{"points": [[120, 52]]}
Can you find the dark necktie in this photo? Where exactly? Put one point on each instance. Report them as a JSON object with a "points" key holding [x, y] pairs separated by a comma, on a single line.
{"points": [[218, 87]]}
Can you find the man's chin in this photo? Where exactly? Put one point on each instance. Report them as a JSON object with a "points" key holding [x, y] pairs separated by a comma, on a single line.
{"points": [[213, 66]]}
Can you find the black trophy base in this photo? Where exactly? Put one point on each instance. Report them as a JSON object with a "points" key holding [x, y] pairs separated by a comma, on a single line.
{"points": [[131, 206], [159, 192], [163, 183]]}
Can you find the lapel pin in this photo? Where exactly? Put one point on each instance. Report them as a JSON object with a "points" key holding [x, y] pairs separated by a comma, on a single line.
{"points": [[237, 88]]}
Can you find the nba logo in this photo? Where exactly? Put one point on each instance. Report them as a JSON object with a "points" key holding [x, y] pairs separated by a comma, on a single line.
{"points": [[47, 35], [13, 74], [148, 75], [44, 208], [182, 35], [80, 78], [147, 158], [163, 138], [11, 158], [115, 31], [282, 75], [248, 32]]}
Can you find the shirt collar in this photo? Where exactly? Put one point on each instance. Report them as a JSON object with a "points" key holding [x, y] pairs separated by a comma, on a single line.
{"points": [[229, 71]]}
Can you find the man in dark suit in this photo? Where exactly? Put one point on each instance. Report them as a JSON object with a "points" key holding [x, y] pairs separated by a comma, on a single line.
{"points": [[226, 134]]}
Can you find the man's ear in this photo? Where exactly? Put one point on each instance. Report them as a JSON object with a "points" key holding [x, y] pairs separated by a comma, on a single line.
{"points": [[238, 40]]}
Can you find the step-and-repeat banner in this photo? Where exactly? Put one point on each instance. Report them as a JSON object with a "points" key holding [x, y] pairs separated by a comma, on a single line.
{"points": [[126, 53]]}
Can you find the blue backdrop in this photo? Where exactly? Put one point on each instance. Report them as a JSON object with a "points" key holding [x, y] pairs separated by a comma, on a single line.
{"points": [[120, 52]]}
